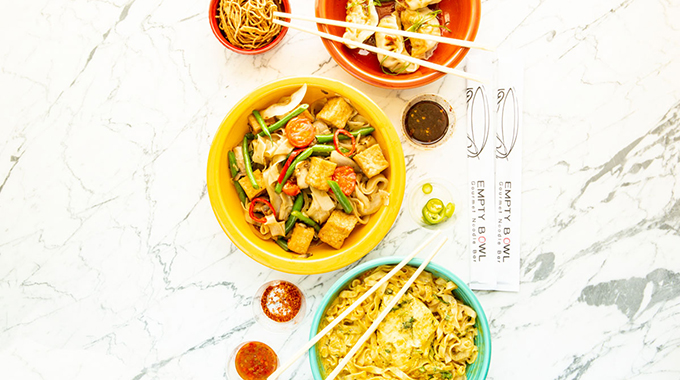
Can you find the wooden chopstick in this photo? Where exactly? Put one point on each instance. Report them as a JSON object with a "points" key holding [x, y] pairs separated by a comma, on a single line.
{"points": [[351, 308], [388, 53], [386, 310], [398, 32]]}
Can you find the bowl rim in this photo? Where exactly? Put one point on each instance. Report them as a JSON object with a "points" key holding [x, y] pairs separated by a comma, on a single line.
{"points": [[358, 270], [351, 253], [394, 83], [214, 26]]}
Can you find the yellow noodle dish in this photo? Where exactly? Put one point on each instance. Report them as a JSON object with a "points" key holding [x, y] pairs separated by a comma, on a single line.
{"points": [[430, 334]]}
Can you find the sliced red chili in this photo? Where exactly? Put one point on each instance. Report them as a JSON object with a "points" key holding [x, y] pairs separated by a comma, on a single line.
{"points": [[251, 210], [336, 142], [290, 159]]}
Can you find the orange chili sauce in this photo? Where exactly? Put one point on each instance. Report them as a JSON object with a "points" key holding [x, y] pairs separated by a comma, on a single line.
{"points": [[255, 361]]}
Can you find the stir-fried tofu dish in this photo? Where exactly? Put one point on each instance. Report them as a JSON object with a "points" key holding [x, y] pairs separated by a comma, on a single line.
{"points": [[308, 174]]}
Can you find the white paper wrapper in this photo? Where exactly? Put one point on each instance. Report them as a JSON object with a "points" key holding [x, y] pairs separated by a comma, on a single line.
{"points": [[481, 160], [508, 170]]}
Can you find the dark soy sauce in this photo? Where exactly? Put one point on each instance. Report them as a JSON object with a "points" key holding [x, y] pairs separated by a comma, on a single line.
{"points": [[426, 122]]}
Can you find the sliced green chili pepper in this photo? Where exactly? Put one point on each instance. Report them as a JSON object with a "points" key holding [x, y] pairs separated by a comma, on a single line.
{"points": [[297, 206], [281, 123], [450, 208], [246, 161], [341, 197], [434, 211], [435, 205], [357, 133], [300, 157], [427, 188], [432, 218], [306, 220], [233, 166], [283, 244], [262, 124], [241, 194]]}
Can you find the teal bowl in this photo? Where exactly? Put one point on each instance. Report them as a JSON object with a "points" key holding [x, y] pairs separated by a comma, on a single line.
{"points": [[477, 371]]}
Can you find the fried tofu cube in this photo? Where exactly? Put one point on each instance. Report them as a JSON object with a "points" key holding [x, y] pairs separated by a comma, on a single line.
{"points": [[320, 171], [307, 115], [371, 161], [254, 125], [337, 228], [409, 325], [301, 238], [336, 112], [248, 188]]}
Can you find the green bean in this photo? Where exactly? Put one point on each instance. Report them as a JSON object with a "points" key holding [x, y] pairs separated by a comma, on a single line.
{"points": [[246, 161], [357, 133], [281, 123], [233, 166], [297, 206], [306, 220], [341, 197], [283, 244], [320, 148], [326, 149], [300, 157], [241, 194], [260, 121]]}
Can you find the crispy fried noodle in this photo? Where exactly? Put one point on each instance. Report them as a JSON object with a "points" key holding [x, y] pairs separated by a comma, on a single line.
{"points": [[428, 335], [248, 24]]}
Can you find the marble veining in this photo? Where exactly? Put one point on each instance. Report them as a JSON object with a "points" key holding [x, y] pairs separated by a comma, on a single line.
{"points": [[112, 265]]}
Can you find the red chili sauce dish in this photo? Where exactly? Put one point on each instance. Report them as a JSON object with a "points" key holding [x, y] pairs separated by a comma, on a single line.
{"points": [[255, 361], [281, 301]]}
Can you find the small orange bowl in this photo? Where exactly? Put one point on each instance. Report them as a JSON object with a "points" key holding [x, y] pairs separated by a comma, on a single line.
{"points": [[226, 204], [460, 16], [214, 25]]}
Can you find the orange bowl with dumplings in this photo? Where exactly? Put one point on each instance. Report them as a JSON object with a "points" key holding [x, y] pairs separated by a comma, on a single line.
{"points": [[454, 18]]}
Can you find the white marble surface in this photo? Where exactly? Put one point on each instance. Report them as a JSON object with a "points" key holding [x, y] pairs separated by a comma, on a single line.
{"points": [[112, 265]]}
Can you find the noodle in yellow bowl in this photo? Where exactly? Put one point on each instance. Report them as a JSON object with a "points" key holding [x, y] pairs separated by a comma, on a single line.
{"points": [[227, 206], [438, 330]]}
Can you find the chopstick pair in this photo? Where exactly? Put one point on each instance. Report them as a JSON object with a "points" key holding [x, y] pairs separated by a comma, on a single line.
{"points": [[376, 50], [358, 302]]}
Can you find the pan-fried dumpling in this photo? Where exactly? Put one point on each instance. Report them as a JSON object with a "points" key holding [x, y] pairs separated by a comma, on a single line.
{"points": [[392, 43], [417, 4], [360, 12], [424, 21]]}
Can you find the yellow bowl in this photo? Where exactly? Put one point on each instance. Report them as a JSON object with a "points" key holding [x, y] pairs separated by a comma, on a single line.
{"points": [[226, 205]]}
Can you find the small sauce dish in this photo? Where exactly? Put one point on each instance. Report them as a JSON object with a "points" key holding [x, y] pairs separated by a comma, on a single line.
{"points": [[279, 306], [252, 361], [428, 121], [433, 189]]}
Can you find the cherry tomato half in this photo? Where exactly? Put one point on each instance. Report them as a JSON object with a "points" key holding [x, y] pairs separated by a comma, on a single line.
{"points": [[291, 188], [300, 132], [346, 178]]}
